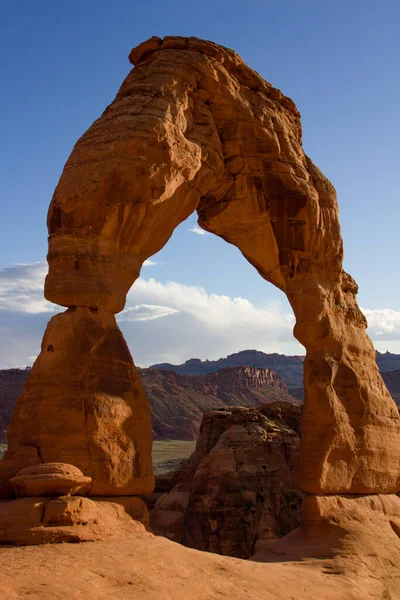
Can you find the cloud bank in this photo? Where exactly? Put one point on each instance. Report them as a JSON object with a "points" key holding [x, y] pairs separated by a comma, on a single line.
{"points": [[21, 289], [166, 321]]}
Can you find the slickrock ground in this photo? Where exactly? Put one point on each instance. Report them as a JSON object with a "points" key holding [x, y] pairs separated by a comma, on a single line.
{"points": [[235, 495], [154, 568]]}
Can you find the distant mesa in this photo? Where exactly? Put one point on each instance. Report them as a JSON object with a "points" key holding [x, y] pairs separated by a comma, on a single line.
{"points": [[179, 394], [177, 400], [392, 380], [289, 368]]}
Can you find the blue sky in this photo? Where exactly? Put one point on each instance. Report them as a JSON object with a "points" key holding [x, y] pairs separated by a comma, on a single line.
{"points": [[63, 62]]}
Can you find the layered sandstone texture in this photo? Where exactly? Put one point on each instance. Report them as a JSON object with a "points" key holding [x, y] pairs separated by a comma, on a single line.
{"points": [[235, 494], [51, 479], [194, 128]]}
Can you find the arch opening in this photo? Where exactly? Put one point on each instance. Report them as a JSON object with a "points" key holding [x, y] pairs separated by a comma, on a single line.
{"points": [[199, 297]]}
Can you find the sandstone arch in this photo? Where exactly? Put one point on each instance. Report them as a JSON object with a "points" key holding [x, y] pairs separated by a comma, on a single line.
{"points": [[194, 128]]}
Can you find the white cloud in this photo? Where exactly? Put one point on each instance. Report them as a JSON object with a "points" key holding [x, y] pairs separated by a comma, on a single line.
{"points": [[212, 310], [145, 312], [21, 289], [201, 324], [383, 324], [161, 321], [149, 263], [167, 321], [198, 230]]}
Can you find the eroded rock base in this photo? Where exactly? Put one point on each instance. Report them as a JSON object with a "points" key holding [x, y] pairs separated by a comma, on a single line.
{"points": [[357, 536], [39, 520], [333, 525]]}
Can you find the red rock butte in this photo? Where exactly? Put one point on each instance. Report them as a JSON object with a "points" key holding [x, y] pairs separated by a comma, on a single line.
{"points": [[193, 128]]}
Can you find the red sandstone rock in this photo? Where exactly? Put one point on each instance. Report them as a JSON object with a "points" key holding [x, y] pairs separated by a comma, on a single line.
{"points": [[69, 510], [143, 567], [49, 479], [31, 521], [235, 492], [83, 405], [337, 527], [194, 128]]}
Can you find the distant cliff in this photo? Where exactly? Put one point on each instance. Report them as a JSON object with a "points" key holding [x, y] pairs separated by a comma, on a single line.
{"points": [[289, 368], [12, 382], [179, 394], [392, 380], [177, 401]]}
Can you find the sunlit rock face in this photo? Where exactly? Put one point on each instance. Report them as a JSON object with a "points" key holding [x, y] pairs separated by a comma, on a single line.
{"points": [[194, 128]]}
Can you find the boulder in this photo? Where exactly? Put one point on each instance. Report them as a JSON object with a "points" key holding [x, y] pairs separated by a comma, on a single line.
{"points": [[343, 528], [50, 479]]}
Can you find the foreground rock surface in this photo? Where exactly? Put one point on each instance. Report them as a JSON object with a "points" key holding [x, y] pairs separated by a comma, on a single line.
{"points": [[144, 567], [235, 494]]}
